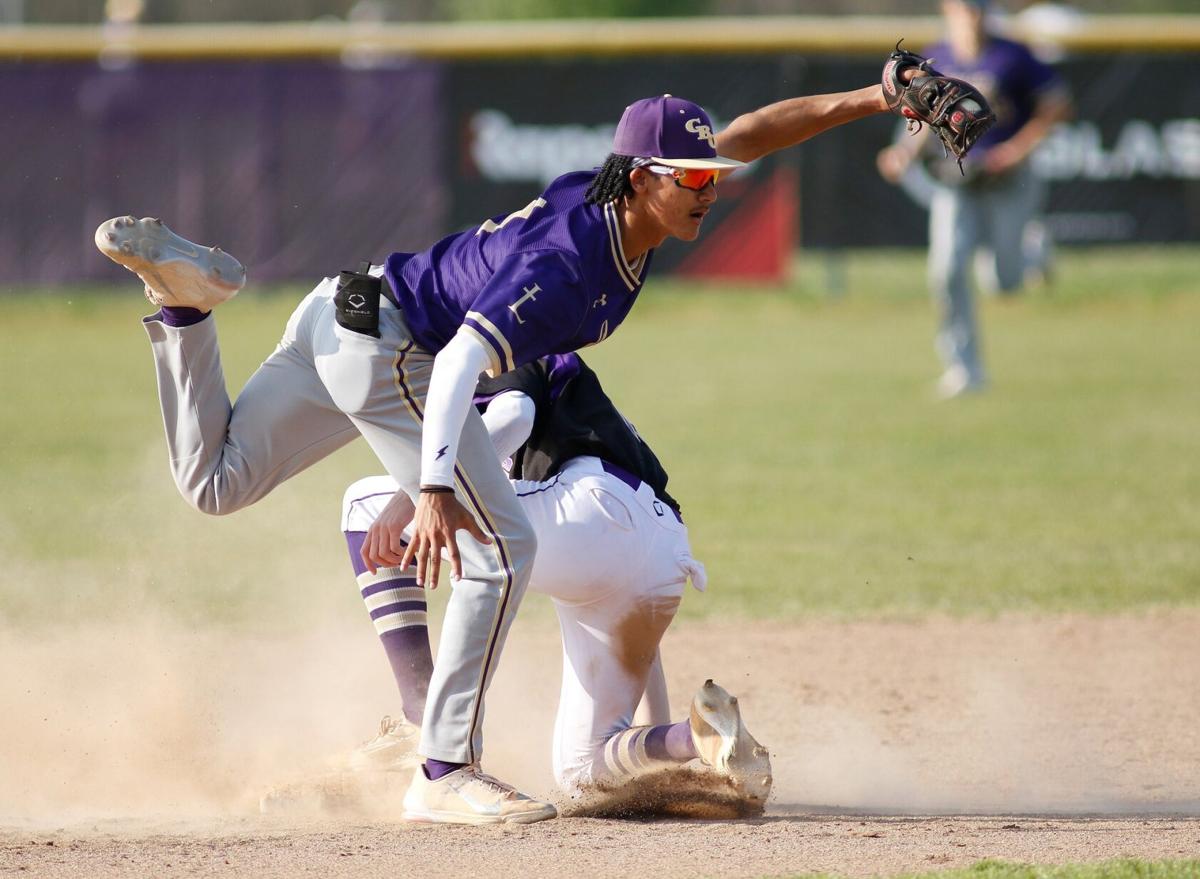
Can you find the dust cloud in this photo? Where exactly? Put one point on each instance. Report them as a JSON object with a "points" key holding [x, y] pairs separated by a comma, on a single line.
{"points": [[149, 718], [1060, 715]]}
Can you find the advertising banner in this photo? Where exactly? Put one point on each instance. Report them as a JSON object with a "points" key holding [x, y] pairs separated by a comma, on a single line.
{"points": [[299, 169]]}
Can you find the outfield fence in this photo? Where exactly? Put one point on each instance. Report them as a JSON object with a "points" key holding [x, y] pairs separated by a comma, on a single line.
{"points": [[833, 35], [305, 148]]}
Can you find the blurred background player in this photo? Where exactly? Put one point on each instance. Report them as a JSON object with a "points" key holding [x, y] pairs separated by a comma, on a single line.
{"points": [[991, 202], [613, 556]]}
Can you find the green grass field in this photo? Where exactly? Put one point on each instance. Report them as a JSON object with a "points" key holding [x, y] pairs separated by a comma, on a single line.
{"points": [[817, 470]]}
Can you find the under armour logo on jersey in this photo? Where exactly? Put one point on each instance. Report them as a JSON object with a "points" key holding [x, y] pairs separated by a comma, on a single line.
{"points": [[702, 131], [441, 453], [528, 291], [601, 302]]}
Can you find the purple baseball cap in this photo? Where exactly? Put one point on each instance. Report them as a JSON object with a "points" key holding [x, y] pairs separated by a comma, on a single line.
{"points": [[672, 132]]}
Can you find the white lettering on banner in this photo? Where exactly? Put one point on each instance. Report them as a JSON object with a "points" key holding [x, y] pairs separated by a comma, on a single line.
{"points": [[1092, 226], [505, 151], [1076, 150], [1181, 138]]}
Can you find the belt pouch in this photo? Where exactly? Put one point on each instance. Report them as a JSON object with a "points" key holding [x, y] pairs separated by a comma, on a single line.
{"points": [[357, 301]]}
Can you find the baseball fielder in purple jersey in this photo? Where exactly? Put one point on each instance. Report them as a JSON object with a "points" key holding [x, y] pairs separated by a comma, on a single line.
{"points": [[613, 556], [993, 200], [393, 354]]}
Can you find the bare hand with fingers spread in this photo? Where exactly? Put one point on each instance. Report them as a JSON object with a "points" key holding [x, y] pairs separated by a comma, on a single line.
{"points": [[439, 516]]}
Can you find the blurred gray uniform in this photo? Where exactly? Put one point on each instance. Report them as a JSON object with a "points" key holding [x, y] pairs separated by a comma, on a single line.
{"points": [[979, 209], [321, 387]]}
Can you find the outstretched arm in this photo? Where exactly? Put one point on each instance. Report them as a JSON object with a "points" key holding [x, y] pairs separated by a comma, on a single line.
{"points": [[787, 123]]}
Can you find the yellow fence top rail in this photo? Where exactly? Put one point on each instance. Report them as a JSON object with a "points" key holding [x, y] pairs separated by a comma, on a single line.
{"points": [[577, 37]]}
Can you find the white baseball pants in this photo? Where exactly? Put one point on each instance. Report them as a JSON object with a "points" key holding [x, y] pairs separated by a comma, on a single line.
{"points": [[322, 386], [614, 559]]}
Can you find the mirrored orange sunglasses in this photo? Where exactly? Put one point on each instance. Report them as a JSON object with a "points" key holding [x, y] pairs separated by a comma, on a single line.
{"points": [[688, 178]]}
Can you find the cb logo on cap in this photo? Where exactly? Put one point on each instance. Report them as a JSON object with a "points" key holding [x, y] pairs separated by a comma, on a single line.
{"points": [[702, 131]]}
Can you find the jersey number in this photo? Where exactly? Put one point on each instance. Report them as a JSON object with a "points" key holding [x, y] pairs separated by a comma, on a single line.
{"points": [[523, 214]]}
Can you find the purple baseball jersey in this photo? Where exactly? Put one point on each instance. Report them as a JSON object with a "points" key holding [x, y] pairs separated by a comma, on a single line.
{"points": [[548, 279], [1009, 76]]}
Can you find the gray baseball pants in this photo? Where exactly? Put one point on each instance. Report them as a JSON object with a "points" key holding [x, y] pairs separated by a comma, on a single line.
{"points": [[961, 220], [322, 386]]}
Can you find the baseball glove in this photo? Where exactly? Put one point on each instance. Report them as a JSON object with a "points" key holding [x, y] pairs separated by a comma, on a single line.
{"points": [[953, 108]]}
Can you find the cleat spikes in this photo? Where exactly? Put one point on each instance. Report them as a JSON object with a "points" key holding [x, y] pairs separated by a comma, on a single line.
{"points": [[176, 271], [726, 746]]}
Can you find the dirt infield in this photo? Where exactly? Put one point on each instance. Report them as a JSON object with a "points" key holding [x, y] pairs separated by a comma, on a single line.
{"points": [[589, 847], [896, 746]]}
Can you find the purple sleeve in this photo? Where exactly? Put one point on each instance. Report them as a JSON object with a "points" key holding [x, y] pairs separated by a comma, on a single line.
{"points": [[1037, 76], [532, 306], [560, 369]]}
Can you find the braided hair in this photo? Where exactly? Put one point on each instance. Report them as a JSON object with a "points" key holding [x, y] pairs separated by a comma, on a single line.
{"points": [[612, 180]]}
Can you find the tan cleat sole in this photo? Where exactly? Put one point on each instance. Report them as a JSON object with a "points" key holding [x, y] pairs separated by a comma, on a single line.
{"points": [[469, 796], [725, 744], [430, 816], [175, 271]]}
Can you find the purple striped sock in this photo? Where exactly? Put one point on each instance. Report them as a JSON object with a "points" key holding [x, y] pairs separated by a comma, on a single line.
{"points": [[407, 647], [671, 742]]}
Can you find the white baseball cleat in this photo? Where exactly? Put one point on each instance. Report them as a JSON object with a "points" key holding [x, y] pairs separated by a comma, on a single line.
{"points": [[956, 382], [175, 271], [725, 744], [470, 796], [393, 750]]}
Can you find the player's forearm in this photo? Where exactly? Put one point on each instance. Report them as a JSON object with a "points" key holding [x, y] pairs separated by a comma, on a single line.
{"points": [[786, 123], [1050, 111], [456, 371]]}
